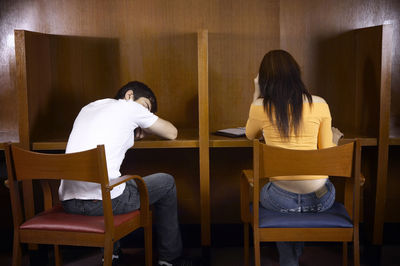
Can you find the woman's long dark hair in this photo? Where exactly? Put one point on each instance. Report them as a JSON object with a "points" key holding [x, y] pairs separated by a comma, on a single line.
{"points": [[283, 90]]}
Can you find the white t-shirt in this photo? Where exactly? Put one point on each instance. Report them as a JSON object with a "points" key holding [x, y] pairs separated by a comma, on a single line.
{"points": [[109, 122]]}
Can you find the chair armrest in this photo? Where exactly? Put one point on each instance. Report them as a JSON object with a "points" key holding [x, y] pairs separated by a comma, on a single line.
{"points": [[122, 179], [144, 198], [248, 174]]}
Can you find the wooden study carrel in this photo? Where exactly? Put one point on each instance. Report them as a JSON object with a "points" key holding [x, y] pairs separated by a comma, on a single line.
{"points": [[57, 75]]}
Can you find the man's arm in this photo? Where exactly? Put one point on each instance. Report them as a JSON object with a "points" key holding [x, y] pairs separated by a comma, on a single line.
{"points": [[163, 128]]}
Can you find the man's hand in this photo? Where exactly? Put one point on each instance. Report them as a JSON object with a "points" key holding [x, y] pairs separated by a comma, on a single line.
{"points": [[139, 133]]}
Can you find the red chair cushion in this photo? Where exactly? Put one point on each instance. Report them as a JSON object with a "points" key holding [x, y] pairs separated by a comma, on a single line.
{"points": [[58, 220]]}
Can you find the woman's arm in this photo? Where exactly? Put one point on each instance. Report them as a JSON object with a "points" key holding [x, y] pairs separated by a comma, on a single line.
{"points": [[257, 92], [254, 123], [253, 129], [325, 134], [325, 129]]}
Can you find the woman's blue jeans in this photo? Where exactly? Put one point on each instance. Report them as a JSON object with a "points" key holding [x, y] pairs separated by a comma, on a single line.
{"points": [[274, 198], [162, 195]]}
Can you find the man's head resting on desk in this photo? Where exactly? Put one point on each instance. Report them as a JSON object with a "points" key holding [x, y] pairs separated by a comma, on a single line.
{"points": [[139, 92]]}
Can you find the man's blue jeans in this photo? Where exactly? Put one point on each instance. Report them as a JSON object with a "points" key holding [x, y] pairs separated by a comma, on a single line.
{"points": [[162, 195], [274, 198]]}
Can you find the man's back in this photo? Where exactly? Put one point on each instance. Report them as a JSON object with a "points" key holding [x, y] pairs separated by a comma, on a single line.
{"points": [[109, 122]]}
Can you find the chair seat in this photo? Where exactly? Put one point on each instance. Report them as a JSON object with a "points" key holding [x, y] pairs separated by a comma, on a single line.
{"points": [[335, 217], [56, 219]]}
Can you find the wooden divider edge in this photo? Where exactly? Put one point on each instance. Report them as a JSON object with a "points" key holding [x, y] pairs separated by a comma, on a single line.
{"points": [[204, 155], [383, 138]]}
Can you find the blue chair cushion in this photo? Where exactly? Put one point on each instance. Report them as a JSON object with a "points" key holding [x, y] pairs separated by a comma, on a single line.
{"points": [[336, 216]]}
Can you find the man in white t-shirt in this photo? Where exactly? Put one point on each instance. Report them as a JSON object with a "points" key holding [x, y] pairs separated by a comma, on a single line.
{"points": [[113, 122]]}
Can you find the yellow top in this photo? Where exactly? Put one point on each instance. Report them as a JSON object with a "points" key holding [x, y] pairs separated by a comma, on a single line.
{"points": [[315, 130]]}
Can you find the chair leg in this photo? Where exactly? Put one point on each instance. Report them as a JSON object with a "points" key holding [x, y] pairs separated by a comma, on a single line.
{"points": [[246, 244], [257, 259], [17, 252], [356, 251], [345, 256], [148, 244], [57, 255], [108, 251]]}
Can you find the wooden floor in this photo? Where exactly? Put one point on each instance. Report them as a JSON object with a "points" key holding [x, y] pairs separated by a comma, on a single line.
{"points": [[226, 250], [325, 254]]}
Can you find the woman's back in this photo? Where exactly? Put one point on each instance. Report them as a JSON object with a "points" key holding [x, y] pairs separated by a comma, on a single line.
{"points": [[314, 133]]}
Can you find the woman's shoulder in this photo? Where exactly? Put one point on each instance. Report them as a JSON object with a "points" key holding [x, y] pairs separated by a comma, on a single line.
{"points": [[318, 99], [258, 102]]}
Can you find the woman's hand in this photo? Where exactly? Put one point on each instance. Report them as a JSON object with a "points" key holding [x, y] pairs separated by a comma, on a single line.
{"points": [[336, 135], [257, 92]]}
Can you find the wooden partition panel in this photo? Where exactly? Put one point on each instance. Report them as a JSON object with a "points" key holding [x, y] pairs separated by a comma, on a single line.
{"points": [[61, 76], [77, 70], [353, 73], [168, 63], [335, 80], [234, 63], [348, 76], [343, 63], [384, 124]]}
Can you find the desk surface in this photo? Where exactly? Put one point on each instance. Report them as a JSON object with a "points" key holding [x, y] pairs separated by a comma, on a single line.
{"points": [[187, 138], [220, 141]]}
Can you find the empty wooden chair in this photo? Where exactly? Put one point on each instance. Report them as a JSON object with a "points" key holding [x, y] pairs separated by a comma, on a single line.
{"points": [[56, 227]]}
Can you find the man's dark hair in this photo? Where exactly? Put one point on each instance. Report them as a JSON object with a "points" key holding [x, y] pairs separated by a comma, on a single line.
{"points": [[139, 90]]}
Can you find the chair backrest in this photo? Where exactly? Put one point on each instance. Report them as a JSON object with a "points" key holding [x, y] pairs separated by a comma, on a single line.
{"points": [[276, 161], [24, 165], [343, 161], [87, 166]]}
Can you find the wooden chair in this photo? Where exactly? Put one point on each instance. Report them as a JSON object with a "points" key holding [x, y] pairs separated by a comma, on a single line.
{"points": [[54, 226], [338, 224]]}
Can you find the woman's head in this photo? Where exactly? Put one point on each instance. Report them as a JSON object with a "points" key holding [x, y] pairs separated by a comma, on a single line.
{"points": [[281, 87], [139, 90]]}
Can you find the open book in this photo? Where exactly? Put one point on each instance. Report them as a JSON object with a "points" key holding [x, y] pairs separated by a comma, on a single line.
{"points": [[232, 132]]}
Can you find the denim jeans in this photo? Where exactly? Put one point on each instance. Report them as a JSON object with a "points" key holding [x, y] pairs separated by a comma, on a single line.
{"points": [[274, 198], [162, 195]]}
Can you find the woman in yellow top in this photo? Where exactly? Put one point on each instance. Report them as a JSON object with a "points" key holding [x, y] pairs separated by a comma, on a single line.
{"points": [[288, 116]]}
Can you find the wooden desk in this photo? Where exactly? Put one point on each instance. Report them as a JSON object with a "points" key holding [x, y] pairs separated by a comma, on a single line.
{"points": [[187, 138], [221, 141]]}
